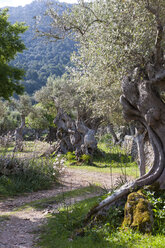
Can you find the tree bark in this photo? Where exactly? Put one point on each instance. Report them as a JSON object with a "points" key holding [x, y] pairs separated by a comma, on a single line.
{"points": [[141, 102], [19, 135], [73, 136], [112, 132], [140, 141]]}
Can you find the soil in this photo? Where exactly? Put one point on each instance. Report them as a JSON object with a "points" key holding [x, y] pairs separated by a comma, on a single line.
{"points": [[18, 229]]}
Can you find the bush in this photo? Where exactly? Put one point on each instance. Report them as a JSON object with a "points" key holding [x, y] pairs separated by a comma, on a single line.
{"points": [[70, 156], [157, 200], [6, 140], [18, 175], [86, 158], [106, 138]]}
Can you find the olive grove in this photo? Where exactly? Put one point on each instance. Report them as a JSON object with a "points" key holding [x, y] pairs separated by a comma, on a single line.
{"points": [[122, 41]]}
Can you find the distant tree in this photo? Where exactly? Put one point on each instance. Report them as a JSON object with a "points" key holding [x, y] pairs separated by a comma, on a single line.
{"points": [[36, 119], [66, 94], [10, 45], [46, 111], [9, 117], [24, 107]]}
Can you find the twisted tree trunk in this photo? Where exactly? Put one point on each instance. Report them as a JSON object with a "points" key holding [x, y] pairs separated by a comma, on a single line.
{"points": [[145, 106], [140, 141], [142, 102], [72, 136]]}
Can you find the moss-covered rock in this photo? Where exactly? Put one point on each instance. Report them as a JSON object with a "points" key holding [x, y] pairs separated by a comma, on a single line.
{"points": [[138, 213]]}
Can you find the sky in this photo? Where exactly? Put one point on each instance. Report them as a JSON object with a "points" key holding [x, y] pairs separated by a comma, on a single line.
{"points": [[14, 3]]}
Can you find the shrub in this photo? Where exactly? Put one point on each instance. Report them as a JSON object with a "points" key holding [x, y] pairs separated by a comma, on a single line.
{"points": [[18, 175], [70, 156], [6, 140], [86, 158], [157, 200]]}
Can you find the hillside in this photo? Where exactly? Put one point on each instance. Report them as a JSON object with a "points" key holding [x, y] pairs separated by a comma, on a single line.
{"points": [[42, 58]]}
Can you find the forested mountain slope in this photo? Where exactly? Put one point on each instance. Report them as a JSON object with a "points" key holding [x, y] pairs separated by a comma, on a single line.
{"points": [[42, 57]]}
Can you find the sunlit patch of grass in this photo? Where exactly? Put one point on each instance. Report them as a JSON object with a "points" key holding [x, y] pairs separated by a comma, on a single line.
{"points": [[58, 231], [8, 149], [61, 228], [30, 149], [132, 171], [111, 159]]}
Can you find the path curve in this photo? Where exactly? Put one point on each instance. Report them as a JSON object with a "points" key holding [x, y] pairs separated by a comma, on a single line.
{"points": [[17, 230]]}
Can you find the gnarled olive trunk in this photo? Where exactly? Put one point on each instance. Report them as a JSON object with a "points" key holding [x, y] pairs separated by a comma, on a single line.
{"points": [[141, 102], [146, 106], [73, 136]]}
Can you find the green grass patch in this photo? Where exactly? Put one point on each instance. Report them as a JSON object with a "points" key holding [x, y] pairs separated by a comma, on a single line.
{"points": [[131, 171], [7, 149], [111, 159], [30, 149], [61, 228]]}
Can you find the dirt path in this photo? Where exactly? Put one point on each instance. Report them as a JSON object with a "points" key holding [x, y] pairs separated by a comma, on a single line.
{"points": [[17, 228]]}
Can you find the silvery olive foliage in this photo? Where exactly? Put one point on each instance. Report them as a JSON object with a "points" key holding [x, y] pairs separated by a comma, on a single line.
{"points": [[113, 38]]}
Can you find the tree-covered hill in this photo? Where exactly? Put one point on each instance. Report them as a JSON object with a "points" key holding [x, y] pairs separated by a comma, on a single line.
{"points": [[42, 57]]}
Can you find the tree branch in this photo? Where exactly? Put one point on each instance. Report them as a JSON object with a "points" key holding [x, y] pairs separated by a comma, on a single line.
{"points": [[159, 37], [159, 81], [130, 113]]}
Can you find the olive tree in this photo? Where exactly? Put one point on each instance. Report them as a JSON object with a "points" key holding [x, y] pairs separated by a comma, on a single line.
{"points": [[96, 86], [69, 95], [9, 117]]}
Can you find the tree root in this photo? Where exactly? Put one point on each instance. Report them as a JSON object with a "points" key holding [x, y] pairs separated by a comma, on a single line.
{"points": [[152, 176]]}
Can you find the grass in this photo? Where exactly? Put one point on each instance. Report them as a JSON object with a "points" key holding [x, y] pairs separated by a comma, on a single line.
{"points": [[114, 160], [25, 171], [32, 175], [30, 149], [61, 229], [40, 174]]}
